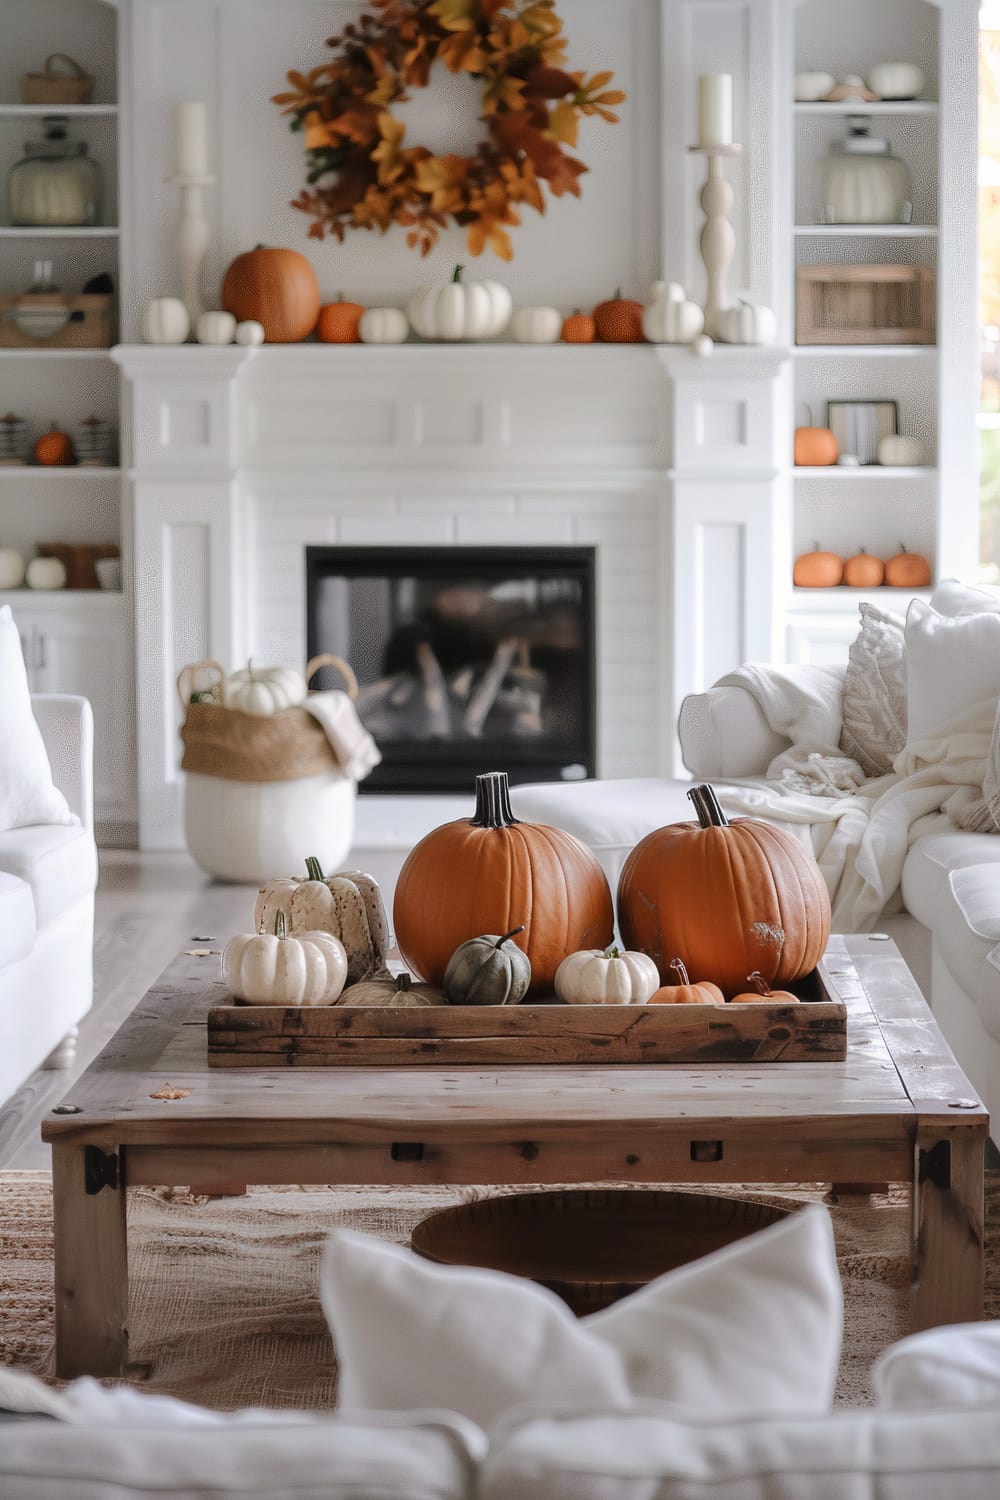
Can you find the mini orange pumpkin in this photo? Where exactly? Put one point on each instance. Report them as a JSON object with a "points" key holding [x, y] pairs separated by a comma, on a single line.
{"points": [[907, 570], [276, 288], [763, 991], [339, 322], [815, 447], [862, 571], [818, 570], [684, 992], [54, 448], [619, 321], [579, 328]]}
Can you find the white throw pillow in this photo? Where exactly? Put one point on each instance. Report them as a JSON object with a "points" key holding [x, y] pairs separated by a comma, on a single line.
{"points": [[954, 598], [957, 1365], [952, 663], [755, 1326], [27, 794], [874, 706]]}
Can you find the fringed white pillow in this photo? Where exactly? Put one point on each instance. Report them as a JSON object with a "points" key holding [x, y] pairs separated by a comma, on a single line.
{"points": [[874, 709]]}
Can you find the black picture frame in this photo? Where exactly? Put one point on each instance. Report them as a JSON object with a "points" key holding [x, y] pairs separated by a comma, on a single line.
{"points": [[859, 425]]}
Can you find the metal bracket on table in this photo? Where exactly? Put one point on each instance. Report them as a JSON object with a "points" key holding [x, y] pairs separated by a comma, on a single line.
{"points": [[935, 1166], [101, 1169], [707, 1150], [407, 1151]]}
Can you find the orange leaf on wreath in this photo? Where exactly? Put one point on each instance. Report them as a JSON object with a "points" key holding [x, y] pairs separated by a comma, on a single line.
{"points": [[563, 124], [455, 15], [443, 179]]}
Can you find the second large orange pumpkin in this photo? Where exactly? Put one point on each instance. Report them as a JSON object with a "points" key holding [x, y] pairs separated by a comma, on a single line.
{"points": [[276, 288], [733, 898], [489, 873]]}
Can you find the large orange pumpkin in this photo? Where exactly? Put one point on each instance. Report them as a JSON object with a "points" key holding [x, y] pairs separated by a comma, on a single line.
{"points": [[862, 571], [277, 288], [815, 447], [732, 897], [619, 321], [818, 570], [488, 873], [908, 570]]}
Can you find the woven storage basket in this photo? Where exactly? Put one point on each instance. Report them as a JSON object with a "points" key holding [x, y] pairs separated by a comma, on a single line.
{"points": [[72, 85]]}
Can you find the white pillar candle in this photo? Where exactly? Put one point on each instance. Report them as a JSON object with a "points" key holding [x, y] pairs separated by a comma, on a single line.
{"points": [[715, 109], [191, 139]]}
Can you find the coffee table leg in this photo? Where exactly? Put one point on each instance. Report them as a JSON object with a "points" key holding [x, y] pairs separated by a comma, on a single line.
{"points": [[91, 1269], [947, 1227]]}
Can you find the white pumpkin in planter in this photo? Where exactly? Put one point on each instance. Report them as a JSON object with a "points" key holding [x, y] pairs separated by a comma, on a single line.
{"points": [[215, 328], [460, 310], [265, 690], [383, 325], [264, 969], [748, 323], [537, 325], [165, 320], [606, 976], [669, 318], [349, 905]]}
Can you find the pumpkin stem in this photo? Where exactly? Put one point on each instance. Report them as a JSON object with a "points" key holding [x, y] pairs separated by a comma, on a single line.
{"points": [[456, 275], [508, 935], [403, 981], [314, 870], [759, 983], [613, 952], [618, 294], [250, 676], [678, 965], [706, 805], [493, 809], [280, 925]]}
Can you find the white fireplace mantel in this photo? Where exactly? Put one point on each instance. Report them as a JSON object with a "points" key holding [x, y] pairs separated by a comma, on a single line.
{"points": [[672, 466]]}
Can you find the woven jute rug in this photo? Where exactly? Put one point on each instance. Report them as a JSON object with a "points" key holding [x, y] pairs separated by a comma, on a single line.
{"points": [[224, 1291]]}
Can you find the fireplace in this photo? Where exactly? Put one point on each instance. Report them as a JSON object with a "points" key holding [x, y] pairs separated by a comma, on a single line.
{"points": [[468, 658]]}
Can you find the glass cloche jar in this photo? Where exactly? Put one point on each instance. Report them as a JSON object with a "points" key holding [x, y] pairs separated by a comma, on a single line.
{"points": [[56, 183], [863, 183]]}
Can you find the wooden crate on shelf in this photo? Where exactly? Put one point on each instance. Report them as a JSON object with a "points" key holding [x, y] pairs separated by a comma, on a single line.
{"points": [[46, 320], [864, 305]]}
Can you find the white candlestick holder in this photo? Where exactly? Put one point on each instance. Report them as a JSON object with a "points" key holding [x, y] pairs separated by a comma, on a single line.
{"points": [[718, 238], [193, 236]]}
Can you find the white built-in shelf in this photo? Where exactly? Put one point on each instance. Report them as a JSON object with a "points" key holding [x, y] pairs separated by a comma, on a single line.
{"points": [[869, 231], [880, 107], [75, 111], [848, 472], [865, 351], [44, 232], [63, 598], [57, 471], [42, 353], [885, 596]]}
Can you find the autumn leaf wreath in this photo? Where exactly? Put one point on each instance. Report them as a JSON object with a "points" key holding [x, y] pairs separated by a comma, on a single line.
{"points": [[360, 173]]}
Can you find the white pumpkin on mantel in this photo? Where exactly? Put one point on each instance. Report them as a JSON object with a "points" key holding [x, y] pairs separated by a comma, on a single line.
{"points": [[265, 690], [215, 328], [537, 325], [383, 325], [249, 333], [460, 311], [11, 568], [276, 969], [165, 320], [748, 323], [606, 976], [669, 318]]}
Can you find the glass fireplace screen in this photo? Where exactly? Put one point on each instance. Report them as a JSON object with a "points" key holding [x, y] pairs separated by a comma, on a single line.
{"points": [[468, 659]]}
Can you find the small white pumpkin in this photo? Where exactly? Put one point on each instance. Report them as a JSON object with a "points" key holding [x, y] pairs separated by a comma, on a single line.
{"points": [[669, 318], [702, 346], [896, 80], [349, 905], [266, 969], [215, 328], [606, 976], [810, 87], [265, 690], [383, 325], [165, 320], [537, 325], [748, 323], [249, 332], [11, 568], [45, 573], [460, 310], [897, 451]]}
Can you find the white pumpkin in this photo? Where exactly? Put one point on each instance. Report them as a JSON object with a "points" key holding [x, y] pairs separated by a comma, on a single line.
{"points": [[383, 325], [264, 969], [702, 346], [537, 325], [810, 87], [249, 332], [460, 310], [748, 323], [896, 80], [45, 573], [669, 318], [215, 328], [899, 451], [165, 320], [606, 976], [349, 905], [11, 568], [265, 690]]}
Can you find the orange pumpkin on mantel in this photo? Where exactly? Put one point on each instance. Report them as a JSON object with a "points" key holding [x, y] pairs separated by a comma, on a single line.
{"points": [[862, 571], [815, 447], [762, 992], [490, 872], [619, 321], [339, 322], [732, 897], [908, 570], [276, 288], [684, 992], [818, 570], [579, 328], [54, 449]]}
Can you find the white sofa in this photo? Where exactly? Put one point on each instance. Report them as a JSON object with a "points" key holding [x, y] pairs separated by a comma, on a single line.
{"points": [[48, 874]]}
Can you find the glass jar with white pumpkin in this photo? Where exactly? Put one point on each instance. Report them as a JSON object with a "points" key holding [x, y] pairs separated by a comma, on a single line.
{"points": [[56, 184]]}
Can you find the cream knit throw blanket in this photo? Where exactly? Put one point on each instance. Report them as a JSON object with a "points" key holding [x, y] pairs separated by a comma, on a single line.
{"points": [[984, 814]]}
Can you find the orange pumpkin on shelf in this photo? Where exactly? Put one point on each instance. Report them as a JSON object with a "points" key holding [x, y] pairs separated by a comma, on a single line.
{"points": [[732, 897], [488, 873], [276, 288], [54, 449], [818, 570], [619, 321], [579, 328], [339, 322], [684, 992], [815, 447], [862, 571], [908, 570], [762, 991]]}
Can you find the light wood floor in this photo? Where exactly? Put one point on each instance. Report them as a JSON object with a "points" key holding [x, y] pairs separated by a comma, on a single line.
{"points": [[148, 907]]}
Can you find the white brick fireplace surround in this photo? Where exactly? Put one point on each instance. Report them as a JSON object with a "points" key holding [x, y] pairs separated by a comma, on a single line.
{"points": [[671, 466]]}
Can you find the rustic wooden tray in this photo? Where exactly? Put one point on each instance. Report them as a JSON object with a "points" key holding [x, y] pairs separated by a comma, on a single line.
{"points": [[277, 1036]]}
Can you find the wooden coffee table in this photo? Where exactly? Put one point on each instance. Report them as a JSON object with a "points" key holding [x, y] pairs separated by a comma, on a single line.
{"points": [[899, 1109]]}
